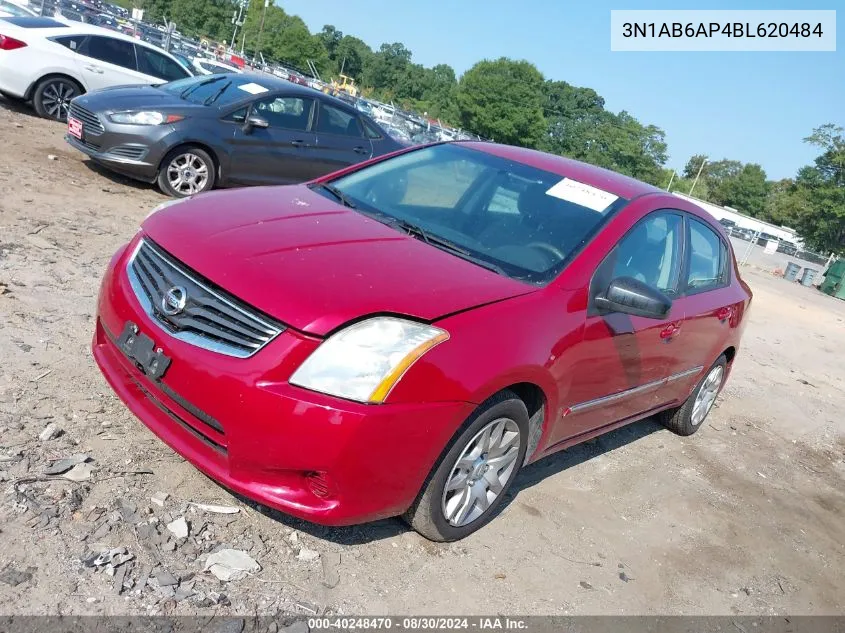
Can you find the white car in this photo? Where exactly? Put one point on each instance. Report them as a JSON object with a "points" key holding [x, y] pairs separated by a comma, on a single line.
{"points": [[51, 62], [205, 66], [15, 10]]}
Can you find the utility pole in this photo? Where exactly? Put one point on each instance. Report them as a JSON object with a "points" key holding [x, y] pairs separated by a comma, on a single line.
{"points": [[237, 20], [668, 188], [696, 176], [261, 27]]}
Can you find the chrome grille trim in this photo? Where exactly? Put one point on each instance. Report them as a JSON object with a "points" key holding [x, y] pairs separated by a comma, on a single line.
{"points": [[129, 152], [209, 320], [90, 122]]}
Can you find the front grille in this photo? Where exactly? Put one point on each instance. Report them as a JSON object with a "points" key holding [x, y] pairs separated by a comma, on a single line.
{"points": [[192, 310], [129, 152], [90, 123]]}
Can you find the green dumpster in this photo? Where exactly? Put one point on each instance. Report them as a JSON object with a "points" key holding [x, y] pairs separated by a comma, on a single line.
{"points": [[834, 280]]}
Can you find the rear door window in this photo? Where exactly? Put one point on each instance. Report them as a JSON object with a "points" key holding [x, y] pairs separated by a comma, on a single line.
{"points": [[73, 42], [332, 120], [111, 51], [157, 65], [707, 260]]}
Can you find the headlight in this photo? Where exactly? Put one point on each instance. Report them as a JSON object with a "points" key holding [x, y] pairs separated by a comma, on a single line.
{"points": [[364, 361], [144, 118], [168, 203]]}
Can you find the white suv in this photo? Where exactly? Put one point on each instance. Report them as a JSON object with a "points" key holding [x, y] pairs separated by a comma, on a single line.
{"points": [[51, 62]]}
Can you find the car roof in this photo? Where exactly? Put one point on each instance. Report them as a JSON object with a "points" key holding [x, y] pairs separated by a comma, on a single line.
{"points": [[605, 179]]}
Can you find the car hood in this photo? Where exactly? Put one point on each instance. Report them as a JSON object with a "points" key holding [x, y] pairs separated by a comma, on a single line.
{"points": [[119, 98], [316, 265]]}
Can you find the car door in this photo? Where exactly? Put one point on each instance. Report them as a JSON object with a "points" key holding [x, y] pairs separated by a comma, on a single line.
{"points": [[279, 153], [711, 306], [108, 61], [623, 361], [341, 140]]}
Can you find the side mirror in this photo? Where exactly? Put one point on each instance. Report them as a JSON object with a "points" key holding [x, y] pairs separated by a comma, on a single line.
{"points": [[631, 296], [254, 121]]}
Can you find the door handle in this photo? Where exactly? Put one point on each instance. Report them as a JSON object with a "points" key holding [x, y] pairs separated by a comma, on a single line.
{"points": [[299, 143], [670, 332], [361, 150], [723, 314], [95, 69]]}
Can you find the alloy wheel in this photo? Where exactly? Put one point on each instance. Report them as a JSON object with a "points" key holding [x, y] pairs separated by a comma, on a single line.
{"points": [[187, 174], [55, 98], [707, 395], [481, 472]]}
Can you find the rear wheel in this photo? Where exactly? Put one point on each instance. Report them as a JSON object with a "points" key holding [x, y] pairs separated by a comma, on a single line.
{"points": [[470, 481], [52, 96], [688, 418], [186, 171]]}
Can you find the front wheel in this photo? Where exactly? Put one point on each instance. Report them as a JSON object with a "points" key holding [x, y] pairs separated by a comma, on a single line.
{"points": [[688, 418], [186, 171], [471, 480]]}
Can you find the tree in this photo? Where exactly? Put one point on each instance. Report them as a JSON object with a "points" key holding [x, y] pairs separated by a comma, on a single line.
{"points": [[819, 205], [503, 100], [351, 56], [330, 37], [746, 191], [387, 67]]}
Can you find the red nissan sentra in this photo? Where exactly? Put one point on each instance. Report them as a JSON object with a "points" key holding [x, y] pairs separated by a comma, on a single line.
{"points": [[402, 337]]}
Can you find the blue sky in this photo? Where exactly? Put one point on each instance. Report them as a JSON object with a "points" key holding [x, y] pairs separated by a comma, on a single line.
{"points": [[753, 107]]}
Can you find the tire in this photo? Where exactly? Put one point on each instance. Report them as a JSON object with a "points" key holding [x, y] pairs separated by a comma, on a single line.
{"points": [[193, 163], [686, 419], [52, 96], [428, 514]]}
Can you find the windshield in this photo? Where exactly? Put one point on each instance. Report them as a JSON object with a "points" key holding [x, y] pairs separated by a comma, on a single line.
{"points": [[509, 216], [217, 89]]}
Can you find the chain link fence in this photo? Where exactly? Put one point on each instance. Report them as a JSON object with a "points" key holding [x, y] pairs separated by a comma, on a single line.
{"points": [[775, 256]]}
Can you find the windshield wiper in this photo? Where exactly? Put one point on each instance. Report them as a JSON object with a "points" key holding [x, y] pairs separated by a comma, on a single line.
{"points": [[337, 193], [442, 243], [190, 89], [217, 94]]}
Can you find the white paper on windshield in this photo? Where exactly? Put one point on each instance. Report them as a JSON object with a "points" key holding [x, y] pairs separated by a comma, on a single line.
{"points": [[584, 195], [253, 88]]}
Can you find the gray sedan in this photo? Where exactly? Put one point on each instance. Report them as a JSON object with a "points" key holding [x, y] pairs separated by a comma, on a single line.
{"points": [[198, 133]]}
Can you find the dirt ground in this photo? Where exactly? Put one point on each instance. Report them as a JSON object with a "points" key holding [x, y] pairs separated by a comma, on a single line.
{"points": [[745, 517]]}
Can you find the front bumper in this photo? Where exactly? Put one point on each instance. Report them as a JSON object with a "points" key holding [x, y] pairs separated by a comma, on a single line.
{"points": [[320, 458], [132, 150]]}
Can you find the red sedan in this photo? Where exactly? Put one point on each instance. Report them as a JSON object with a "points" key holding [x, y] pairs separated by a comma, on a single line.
{"points": [[402, 337]]}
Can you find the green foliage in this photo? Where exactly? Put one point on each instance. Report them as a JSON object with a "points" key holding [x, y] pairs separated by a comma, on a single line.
{"points": [[818, 207], [580, 127], [503, 100]]}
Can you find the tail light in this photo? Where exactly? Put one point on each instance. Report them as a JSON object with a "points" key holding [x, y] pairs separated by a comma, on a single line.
{"points": [[10, 43]]}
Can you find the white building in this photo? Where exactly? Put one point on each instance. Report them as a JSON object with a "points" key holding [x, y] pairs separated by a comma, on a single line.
{"points": [[742, 221]]}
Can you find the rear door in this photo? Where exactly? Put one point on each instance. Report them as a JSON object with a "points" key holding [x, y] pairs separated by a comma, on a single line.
{"points": [[108, 61], [341, 140], [711, 305], [626, 359], [280, 153]]}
